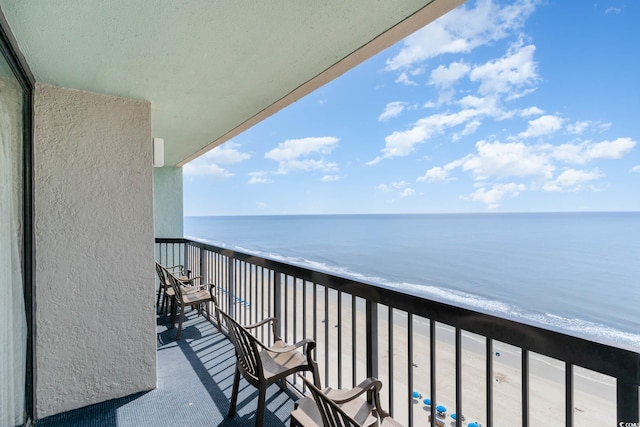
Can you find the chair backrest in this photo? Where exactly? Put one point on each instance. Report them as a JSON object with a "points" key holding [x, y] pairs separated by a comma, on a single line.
{"points": [[160, 272], [175, 283], [332, 414], [246, 346]]}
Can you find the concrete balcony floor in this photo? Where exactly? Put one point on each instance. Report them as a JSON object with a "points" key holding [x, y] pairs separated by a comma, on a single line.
{"points": [[195, 377]]}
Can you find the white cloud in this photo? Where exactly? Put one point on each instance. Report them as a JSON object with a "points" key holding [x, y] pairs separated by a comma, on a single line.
{"points": [[512, 74], [508, 77], [492, 196], [495, 162], [294, 148], [404, 79], [588, 151], [226, 153], [512, 159], [306, 165], [434, 174], [531, 111], [398, 184], [401, 143], [572, 180], [393, 109], [208, 163], [259, 178], [543, 125], [469, 128], [292, 155], [610, 149], [602, 127], [578, 127], [203, 169], [445, 77], [329, 178], [445, 97], [462, 30], [612, 9], [484, 106], [401, 186]]}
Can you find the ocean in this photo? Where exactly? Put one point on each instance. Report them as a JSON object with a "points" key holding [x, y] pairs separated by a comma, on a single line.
{"points": [[572, 272]]}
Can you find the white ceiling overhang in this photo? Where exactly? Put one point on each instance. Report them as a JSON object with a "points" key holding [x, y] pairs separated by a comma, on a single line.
{"points": [[210, 69]]}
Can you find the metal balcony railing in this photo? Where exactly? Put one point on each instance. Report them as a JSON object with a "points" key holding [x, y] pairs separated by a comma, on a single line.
{"points": [[366, 330]]}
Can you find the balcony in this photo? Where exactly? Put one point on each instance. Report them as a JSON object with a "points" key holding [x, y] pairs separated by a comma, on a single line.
{"points": [[493, 370]]}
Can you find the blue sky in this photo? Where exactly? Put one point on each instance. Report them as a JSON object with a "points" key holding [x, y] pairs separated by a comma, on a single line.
{"points": [[499, 106]]}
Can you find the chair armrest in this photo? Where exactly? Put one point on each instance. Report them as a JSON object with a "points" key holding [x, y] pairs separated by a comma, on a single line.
{"points": [[187, 289], [274, 322], [370, 384], [189, 280], [180, 267], [309, 342]]}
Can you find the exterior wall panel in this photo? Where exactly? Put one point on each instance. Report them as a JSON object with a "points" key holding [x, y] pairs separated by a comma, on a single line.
{"points": [[94, 290], [167, 201]]}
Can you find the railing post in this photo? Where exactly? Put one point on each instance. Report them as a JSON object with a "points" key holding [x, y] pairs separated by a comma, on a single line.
{"points": [[277, 301], [204, 279], [231, 285], [569, 401], [525, 387], [627, 402], [185, 256], [372, 338]]}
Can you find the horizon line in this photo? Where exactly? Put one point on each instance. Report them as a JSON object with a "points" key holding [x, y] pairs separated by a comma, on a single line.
{"points": [[416, 213]]}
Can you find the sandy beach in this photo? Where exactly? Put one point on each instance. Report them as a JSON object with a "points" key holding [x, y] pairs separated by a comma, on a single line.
{"points": [[594, 394]]}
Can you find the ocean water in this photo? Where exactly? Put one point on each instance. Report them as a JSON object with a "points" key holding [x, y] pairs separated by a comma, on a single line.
{"points": [[574, 272]]}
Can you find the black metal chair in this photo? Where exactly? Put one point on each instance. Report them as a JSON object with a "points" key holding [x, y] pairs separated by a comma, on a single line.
{"points": [[262, 366]]}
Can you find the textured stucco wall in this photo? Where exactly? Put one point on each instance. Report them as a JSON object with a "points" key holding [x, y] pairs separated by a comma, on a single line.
{"points": [[94, 290], [167, 201]]}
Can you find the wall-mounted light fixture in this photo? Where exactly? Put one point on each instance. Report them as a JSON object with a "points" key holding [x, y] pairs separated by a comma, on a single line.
{"points": [[158, 152]]}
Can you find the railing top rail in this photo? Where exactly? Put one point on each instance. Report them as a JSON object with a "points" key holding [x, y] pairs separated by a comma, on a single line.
{"points": [[608, 359]]}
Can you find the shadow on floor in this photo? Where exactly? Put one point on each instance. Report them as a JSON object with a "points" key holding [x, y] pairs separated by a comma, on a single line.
{"points": [[195, 376]]}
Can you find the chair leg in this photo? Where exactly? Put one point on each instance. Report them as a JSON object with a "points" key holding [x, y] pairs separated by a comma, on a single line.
{"points": [[262, 397], [294, 421], [160, 292], [172, 311], [180, 323], [218, 319], [165, 303], [234, 393]]}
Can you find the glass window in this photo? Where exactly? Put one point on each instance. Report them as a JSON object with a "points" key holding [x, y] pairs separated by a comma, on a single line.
{"points": [[13, 325]]}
